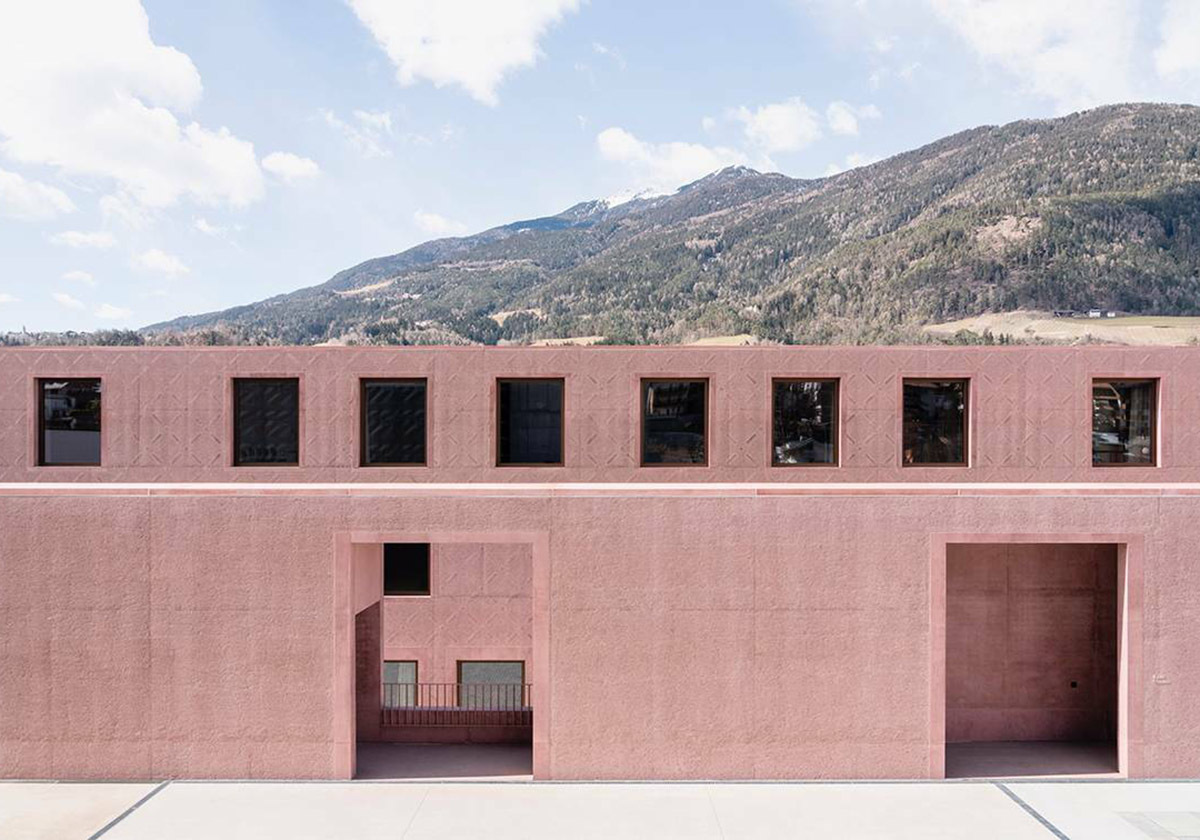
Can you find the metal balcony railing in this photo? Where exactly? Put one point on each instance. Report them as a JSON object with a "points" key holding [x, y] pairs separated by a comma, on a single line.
{"points": [[457, 704]]}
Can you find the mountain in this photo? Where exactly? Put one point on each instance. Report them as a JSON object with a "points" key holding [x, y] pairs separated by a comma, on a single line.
{"points": [[1097, 209]]}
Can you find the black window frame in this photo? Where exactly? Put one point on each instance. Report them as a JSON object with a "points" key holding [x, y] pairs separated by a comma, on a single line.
{"points": [[643, 393], [562, 420], [237, 432], [366, 382], [40, 383], [966, 422], [835, 421]]}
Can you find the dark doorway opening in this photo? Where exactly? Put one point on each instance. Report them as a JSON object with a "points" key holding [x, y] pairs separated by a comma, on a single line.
{"points": [[1031, 659]]}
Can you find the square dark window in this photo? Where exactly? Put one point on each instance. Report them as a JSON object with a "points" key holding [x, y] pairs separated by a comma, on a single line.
{"points": [[406, 569], [804, 421], [266, 427], [674, 422], [935, 422], [393, 422], [529, 419], [69, 422], [1123, 421]]}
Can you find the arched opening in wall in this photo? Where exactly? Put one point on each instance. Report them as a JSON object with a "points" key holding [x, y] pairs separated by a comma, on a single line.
{"points": [[443, 654], [1033, 644]]}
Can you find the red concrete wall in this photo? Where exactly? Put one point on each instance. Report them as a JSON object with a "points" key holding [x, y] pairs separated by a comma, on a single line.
{"points": [[719, 633], [1024, 622], [152, 639], [167, 412], [368, 653], [480, 607]]}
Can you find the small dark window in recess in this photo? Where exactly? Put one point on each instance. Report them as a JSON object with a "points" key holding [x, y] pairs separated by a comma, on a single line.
{"points": [[804, 421], [935, 422], [406, 569], [674, 422], [266, 422], [1123, 421], [69, 422], [529, 416], [393, 422]]}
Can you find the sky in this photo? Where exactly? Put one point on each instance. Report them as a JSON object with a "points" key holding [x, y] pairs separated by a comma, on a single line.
{"points": [[168, 157]]}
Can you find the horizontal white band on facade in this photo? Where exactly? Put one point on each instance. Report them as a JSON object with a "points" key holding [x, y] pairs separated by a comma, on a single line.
{"points": [[529, 489]]}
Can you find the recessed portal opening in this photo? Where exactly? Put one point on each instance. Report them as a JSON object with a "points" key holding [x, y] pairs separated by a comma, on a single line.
{"points": [[1032, 633], [443, 649]]}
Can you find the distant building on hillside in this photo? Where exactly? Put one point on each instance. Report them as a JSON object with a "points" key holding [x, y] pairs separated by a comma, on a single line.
{"points": [[1090, 313]]}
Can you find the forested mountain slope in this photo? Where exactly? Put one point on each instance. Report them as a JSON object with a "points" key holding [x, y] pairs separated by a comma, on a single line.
{"points": [[1097, 209]]}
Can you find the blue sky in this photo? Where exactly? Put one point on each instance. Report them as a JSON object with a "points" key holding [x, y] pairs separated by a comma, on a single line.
{"points": [[165, 157]]}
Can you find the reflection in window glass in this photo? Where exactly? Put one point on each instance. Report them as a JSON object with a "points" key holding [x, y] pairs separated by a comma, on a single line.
{"points": [[529, 417], [804, 421], [674, 420], [399, 684], [266, 421], [491, 685], [393, 421], [1123, 421], [935, 421], [406, 569], [70, 422]]}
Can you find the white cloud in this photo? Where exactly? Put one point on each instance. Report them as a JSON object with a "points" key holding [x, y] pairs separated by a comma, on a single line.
{"points": [[108, 312], [843, 117], [437, 225], [368, 134], [289, 167], [1179, 52], [161, 262], [123, 209], [84, 239], [609, 52], [83, 277], [786, 126], [380, 121], [89, 93], [66, 301], [207, 228], [28, 200], [1075, 53], [852, 161], [663, 167], [467, 43], [7, 298]]}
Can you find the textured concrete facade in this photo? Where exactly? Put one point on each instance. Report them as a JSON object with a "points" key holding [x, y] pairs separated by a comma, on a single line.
{"points": [[168, 412], [169, 615]]}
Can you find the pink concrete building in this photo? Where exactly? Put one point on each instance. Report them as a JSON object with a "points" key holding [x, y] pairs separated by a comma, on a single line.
{"points": [[650, 563]]}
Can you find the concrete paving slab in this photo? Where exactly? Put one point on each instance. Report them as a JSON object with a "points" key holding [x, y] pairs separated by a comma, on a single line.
{"points": [[420, 811], [54, 811], [253, 811], [1010, 759], [1117, 811], [579, 812], [861, 811], [445, 762]]}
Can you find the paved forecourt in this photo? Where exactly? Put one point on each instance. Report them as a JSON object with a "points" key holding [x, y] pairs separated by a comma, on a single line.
{"points": [[369, 810]]}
